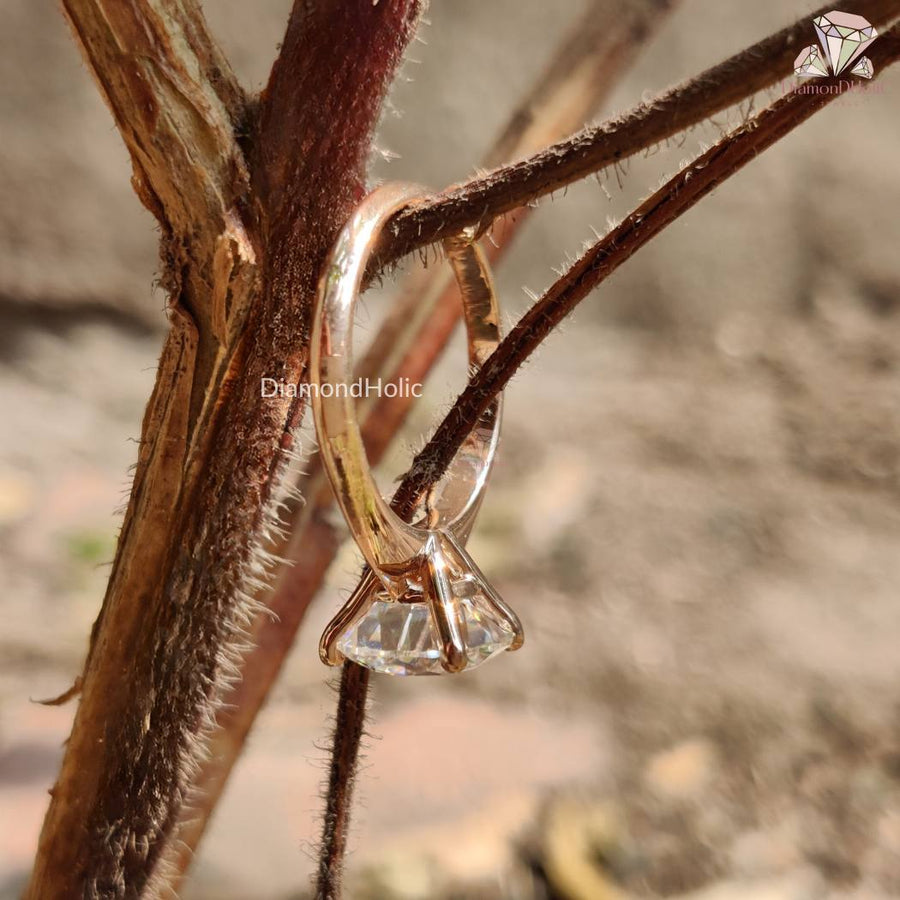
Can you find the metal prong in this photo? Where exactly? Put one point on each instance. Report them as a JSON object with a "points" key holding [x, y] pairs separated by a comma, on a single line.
{"points": [[444, 607], [354, 609], [493, 597]]}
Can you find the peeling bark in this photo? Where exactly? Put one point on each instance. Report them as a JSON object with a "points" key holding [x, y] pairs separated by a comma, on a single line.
{"points": [[245, 232]]}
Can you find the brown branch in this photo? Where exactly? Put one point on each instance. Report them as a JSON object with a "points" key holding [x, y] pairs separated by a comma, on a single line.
{"points": [[175, 102], [351, 715], [179, 109], [598, 49], [240, 261], [478, 202], [675, 198], [670, 202], [584, 69]]}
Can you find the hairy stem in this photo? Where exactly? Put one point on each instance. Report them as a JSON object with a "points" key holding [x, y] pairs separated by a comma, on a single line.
{"points": [[670, 202], [351, 715], [476, 203]]}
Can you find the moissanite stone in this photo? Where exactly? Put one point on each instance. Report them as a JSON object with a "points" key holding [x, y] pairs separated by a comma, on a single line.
{"points": [[400, 638], [809, 63], [843, 37]]}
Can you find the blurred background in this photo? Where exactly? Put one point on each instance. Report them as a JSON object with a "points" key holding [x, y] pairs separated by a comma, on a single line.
{"points": [[696, 510]]}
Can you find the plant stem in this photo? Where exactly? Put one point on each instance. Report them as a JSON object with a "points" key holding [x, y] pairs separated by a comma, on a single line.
{"points": [[235, 201], [351, 715], [478, 202], [663, 207]]}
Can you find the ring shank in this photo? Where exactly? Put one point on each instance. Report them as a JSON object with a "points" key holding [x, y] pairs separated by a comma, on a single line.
{"points": [[384, 538]]}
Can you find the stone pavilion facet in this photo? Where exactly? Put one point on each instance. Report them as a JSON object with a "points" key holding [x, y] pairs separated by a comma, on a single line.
{"points": [[400, 638]]}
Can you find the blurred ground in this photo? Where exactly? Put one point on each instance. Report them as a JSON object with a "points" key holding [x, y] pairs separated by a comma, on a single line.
{"points": [[696, 512]]}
